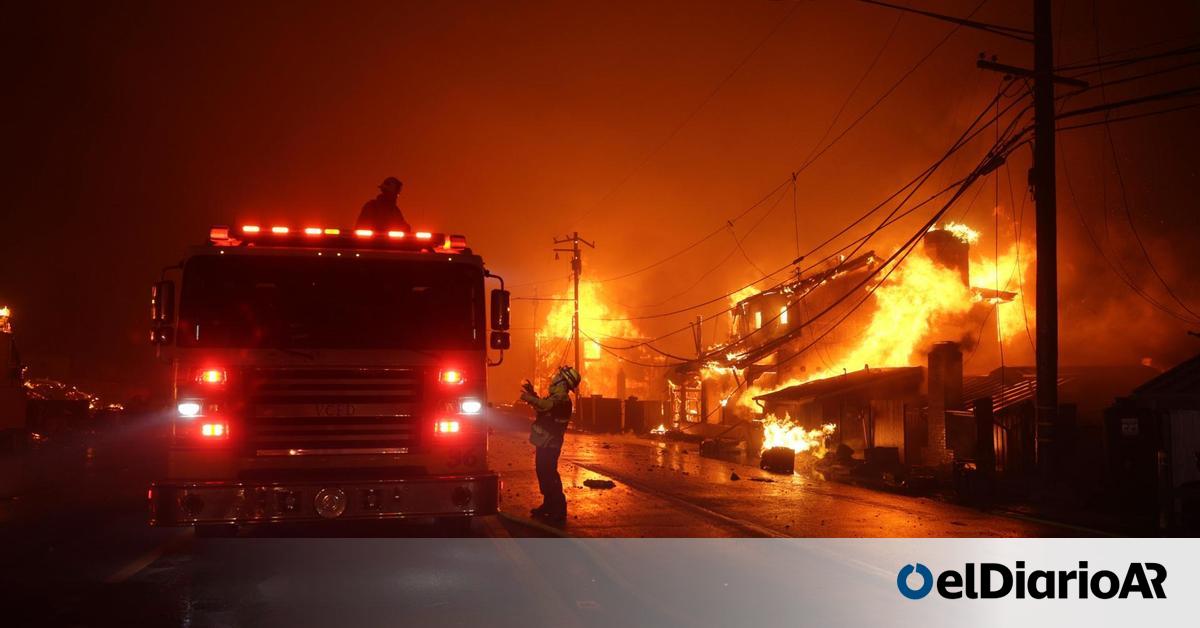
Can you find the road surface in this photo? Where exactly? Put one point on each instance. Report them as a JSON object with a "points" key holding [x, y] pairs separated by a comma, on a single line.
{"points": [[669, 490], [75, 549]]}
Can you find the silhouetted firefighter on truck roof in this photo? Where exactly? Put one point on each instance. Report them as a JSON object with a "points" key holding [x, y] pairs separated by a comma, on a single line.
{"points": [[546, 435], [381, 213]]}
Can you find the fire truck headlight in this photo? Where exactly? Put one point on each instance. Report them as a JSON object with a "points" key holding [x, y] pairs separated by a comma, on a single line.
{"points": [[470, 406], [189, 409], [447, 427]]}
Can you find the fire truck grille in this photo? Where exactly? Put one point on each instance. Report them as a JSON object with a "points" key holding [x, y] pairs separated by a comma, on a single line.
{"points": [[323, 411]]}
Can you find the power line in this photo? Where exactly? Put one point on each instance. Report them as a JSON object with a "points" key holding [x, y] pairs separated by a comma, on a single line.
{"points": [[854, 90], [899, 257], [702, 240], [1190, 90], [609, 350], [1135, 116], [1019, 34], [539, 282], [679, 127], [986, 166], [1134, 77], [888, 92], [814, 157], [1124, 51], [962, 141], [1121, 181], [816, 145], [1095, 67], [1113, 265], [1018, 227]]}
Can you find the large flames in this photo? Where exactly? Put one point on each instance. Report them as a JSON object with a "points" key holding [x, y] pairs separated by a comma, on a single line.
{"points": [[920, 302], [601, 367], [787, 433], [1005, 273]]}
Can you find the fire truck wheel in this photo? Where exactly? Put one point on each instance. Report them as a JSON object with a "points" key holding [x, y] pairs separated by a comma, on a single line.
{"points": [[216, 531]]}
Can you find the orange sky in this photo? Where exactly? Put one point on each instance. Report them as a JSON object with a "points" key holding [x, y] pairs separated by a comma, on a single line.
{"points": [[134, 128]]}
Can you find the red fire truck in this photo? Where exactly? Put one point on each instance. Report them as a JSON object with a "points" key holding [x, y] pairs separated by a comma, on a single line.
{"points": [[326, 374]]}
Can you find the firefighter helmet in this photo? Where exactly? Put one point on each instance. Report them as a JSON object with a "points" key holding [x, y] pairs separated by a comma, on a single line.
{"points": [[568, 376], [391, 185]]}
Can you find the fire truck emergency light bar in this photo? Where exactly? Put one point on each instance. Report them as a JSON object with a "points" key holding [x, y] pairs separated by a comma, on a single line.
{"points": [[325, 237]]}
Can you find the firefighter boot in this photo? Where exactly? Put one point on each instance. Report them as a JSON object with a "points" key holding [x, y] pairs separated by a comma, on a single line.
{"points": [[552, 517]]}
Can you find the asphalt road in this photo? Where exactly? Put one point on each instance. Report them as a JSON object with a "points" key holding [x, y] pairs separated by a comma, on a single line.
{"points": [[75, 548], [666, 489]]}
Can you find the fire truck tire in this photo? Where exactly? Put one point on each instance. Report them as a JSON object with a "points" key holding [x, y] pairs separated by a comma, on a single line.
{"points": [[216, 531]]}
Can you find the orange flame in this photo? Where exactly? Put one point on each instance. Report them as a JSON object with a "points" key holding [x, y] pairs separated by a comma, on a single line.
{"points": [[1007, 272], [917, 301], [786, 433], [555, 338]]}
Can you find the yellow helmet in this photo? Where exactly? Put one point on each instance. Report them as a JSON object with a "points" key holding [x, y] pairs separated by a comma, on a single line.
{"points": [[568, 376]]}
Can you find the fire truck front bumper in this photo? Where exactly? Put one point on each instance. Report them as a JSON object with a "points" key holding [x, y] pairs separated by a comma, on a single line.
{"points": [[191, 503]]}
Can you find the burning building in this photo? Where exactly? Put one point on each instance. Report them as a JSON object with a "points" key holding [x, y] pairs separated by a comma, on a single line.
{"points": [[811, 350], [616, 363]]}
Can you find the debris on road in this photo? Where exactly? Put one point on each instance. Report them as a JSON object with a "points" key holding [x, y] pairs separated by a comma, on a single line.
{"points": [[778, 460], [603, 484], [734, 477], [765, 480]]}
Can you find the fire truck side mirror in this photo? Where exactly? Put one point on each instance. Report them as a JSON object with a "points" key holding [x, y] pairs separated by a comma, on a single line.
{"points": [[500, 314], [162, 303], [500, 341]]}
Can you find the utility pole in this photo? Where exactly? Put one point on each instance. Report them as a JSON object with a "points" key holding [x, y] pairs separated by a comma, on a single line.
{"points": [[1046, 315], [576, 271], [1043, 180]]}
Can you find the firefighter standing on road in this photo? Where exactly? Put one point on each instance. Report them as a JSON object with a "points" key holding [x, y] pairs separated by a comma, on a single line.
{"points": [[381, 212], [546, 434]]}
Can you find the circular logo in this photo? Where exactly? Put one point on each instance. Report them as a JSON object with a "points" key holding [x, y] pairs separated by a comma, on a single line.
{"points": [[330, 503], [926, 581]]}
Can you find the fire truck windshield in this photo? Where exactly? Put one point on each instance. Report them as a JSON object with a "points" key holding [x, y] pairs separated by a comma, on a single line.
{"points": [[330, 303]]}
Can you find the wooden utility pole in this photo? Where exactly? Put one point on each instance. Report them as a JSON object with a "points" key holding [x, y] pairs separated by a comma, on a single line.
{"points": [[1044, 190], [576, 271], [1046, 228]]}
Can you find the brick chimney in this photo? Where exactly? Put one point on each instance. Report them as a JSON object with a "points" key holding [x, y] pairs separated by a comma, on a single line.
{"points": [[945, 393]]}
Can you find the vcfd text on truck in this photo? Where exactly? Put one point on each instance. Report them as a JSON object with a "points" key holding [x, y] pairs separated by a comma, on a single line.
{"points": [[325, 374]]}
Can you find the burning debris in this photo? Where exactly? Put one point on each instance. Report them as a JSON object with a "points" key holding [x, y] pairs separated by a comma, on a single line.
{"points": [[778, 460], [788, 434], [784, 439]]}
